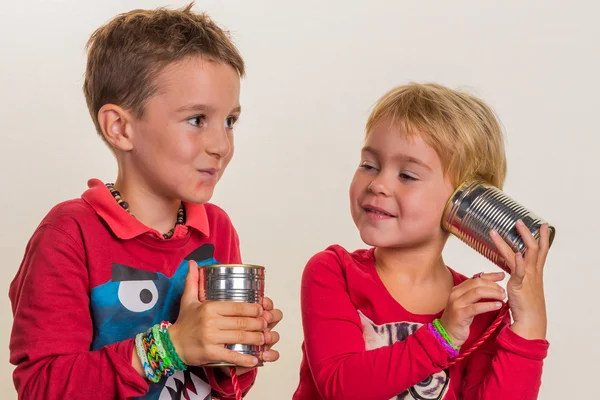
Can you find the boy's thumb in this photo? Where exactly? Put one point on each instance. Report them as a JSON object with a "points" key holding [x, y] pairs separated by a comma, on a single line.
{"points": [[190, 290]]}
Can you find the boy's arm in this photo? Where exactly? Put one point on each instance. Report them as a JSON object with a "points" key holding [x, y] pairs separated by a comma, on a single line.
{"points": [[52, 329], [341, 367], [509, 367]]}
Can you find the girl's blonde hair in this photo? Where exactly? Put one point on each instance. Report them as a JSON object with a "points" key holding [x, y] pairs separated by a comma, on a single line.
{"points": [[461, 128]]}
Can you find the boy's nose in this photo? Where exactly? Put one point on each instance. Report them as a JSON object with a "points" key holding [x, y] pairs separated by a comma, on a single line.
{"points": [[219, 143]]}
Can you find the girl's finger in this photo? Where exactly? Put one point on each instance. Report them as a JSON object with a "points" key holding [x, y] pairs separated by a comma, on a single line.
{"points": [[521, 268], [532, 245], [504, 249], [482, 308], [544, 246], [493, 276], [486, 280], [476, 294]]}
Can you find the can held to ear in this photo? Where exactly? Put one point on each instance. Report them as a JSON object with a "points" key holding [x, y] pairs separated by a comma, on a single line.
{"points": [[476, 207], [233, 282]]}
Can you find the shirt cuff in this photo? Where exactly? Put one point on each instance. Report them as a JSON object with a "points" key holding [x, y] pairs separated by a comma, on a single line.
{"points": [[536, 349], [434, 349]]}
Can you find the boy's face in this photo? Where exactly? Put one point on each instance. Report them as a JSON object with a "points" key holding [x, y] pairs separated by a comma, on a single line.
{"points": [[184, 141], [399, 191]]}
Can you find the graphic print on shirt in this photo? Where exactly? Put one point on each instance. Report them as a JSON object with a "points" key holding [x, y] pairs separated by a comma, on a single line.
{"points": [[133, 301], [434, 387]]}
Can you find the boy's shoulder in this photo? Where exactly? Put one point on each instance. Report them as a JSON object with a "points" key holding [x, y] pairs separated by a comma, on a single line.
{"points": [[68, 215]]}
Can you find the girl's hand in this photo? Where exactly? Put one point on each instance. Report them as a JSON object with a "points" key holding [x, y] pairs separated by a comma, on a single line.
{"points": [[526, 285]]}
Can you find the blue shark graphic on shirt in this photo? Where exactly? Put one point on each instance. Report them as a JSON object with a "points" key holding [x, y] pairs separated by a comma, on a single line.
{"points": [[134, 300]]}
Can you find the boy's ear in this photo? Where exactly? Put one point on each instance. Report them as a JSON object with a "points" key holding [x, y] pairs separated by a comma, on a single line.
{"points": [[115, 123]]}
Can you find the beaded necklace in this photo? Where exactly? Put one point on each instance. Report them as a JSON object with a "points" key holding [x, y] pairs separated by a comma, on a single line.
{"points": [[125, 205]]}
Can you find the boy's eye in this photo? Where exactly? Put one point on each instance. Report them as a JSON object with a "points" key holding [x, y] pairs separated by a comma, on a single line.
{"points": [[197, 120], [229, 122]]}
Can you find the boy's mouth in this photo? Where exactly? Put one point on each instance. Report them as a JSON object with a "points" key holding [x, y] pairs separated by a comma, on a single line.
{"points": [[377, 211], [209, 171]]}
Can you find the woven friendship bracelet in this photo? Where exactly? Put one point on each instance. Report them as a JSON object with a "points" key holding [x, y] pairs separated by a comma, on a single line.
{"points": [[157, 353], [168, 344]]}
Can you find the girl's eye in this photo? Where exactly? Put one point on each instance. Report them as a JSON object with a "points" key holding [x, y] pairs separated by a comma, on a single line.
{"points": [[197, 120], [368, 166], [407, 177], [229, 122]]}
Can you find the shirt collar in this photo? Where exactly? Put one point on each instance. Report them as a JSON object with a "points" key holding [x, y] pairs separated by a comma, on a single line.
{"points": [[126, 226]]}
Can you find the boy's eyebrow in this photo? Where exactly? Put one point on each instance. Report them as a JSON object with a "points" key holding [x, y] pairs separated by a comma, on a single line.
{"points": [[195, 107], [401, 157], [203, 108]]}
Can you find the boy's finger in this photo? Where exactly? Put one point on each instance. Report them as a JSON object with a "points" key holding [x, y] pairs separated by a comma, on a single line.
{"points": [[241, 337], [238, 309], [271, 355], [277, 317], [271, 338], [229, 356], [267, 304], [190, 290], [241, 324]]}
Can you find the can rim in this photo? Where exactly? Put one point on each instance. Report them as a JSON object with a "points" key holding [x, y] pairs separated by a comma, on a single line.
{"points": [[449, 203], [232, 265]]}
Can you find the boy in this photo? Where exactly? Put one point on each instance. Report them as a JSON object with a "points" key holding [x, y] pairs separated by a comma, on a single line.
{"points": [[386, 322], [105, 276]]}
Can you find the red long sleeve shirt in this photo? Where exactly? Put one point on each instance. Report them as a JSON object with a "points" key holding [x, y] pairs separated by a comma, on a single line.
{"points": [[93, 277], [360, 343]]}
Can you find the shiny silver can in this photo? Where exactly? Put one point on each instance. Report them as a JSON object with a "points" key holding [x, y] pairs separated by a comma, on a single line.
{"points": [[238, 283], [476, 207]]}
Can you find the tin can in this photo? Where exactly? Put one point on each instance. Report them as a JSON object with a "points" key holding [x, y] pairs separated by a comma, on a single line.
{"points": [[476, 207], [233, 282]]}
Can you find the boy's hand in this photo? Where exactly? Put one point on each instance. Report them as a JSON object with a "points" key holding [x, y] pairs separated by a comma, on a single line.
{"points": [[272, 316], [464, 303], [202, 329], [526, 285]]}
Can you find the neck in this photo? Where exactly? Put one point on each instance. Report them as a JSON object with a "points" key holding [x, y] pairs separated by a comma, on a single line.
{"points": [[150, 208], [413, 266]]}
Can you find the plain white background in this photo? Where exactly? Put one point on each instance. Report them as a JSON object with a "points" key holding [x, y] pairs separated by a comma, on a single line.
{"points": [[314, 71]]}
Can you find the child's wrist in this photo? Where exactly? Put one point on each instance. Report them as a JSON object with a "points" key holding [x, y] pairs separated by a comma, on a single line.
{"points": [[443, 338], [534, 331], [157, 353]]}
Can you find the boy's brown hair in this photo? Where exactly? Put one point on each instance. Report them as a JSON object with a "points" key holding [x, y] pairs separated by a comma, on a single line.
{"points": [[460, 127], [126, 54]]}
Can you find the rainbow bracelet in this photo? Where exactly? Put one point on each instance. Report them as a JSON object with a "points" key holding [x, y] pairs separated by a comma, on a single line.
{"points": [[157, 353]]}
